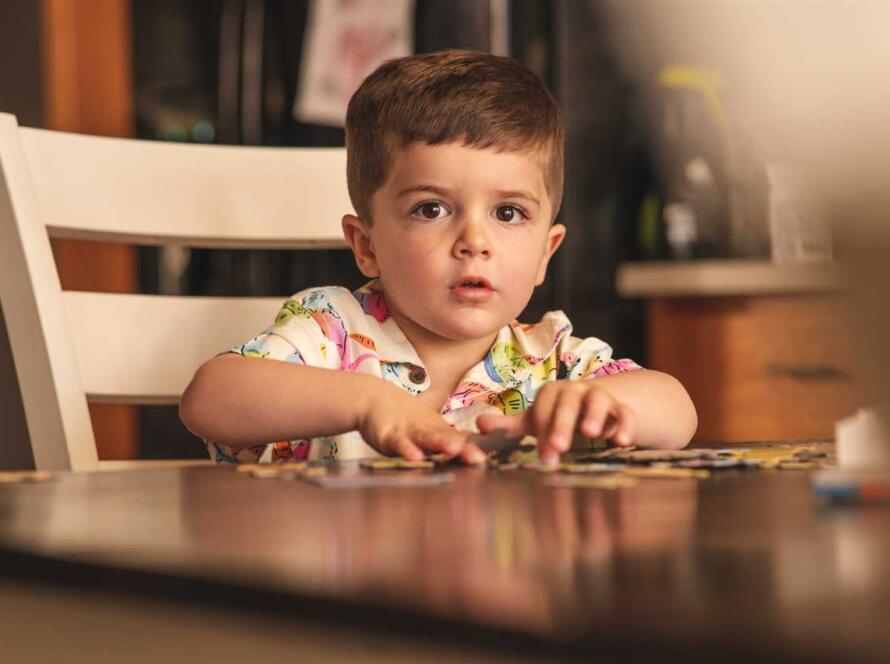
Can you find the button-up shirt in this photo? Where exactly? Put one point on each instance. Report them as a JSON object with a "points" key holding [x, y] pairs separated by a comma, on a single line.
{"points": [[334, 328]]}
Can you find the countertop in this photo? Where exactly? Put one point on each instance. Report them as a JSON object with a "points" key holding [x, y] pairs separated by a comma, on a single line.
{"points": [[709, 278]]}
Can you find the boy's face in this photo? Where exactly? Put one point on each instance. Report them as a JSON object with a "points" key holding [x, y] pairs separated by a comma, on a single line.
{"points": [[460, 238]]}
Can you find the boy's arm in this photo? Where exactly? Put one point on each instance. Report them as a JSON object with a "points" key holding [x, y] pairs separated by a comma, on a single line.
{"points": [[640, 407], [663, 414], [234, 400]]}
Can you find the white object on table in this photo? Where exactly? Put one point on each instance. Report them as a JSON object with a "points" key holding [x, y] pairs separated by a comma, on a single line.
{"points": [[862, 442]]}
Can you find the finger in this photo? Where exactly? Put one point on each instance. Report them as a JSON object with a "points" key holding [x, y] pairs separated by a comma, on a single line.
{"points": [[472, 455], [548, 456], [596, 409], [439, 441], [626, 432], [540, 414], [616, 429], [404, 447], [512, 425], [564, 420], [459, 441], [610, 429]]}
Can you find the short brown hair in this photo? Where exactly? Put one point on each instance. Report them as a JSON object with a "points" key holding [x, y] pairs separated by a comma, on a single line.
{"points": [[475, 98]]}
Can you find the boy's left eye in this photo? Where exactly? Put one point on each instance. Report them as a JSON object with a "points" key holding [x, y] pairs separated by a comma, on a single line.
{"points": [[429, 210], [509, 213]]}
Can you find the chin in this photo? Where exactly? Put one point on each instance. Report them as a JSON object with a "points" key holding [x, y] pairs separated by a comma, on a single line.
{"points": [[463, 328]]}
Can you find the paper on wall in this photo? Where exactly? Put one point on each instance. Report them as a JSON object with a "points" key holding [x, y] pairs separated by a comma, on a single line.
{"points": [[345, 41]]}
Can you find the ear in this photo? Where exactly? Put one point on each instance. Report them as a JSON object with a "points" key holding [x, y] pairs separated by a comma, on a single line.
{"points": [[356, 233], [555, 236]]}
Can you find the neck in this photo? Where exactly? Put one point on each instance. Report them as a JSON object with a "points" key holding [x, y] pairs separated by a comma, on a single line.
{"points": [[437, 352]]}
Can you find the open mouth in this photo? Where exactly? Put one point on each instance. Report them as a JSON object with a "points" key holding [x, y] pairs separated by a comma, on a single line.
{"points": [[474, 282]]}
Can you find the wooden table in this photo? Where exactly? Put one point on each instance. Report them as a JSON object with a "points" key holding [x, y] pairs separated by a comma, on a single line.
{"points": [[743, 566]]}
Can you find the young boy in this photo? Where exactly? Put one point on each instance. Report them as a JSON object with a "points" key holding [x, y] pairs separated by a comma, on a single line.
{"points": [[454, 167]]}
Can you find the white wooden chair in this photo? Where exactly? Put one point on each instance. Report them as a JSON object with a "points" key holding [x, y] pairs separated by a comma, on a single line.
{"points": [[70, 347]]}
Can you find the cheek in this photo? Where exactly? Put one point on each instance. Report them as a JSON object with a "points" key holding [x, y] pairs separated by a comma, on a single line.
{"points": [[408, 260], [522, 264]]}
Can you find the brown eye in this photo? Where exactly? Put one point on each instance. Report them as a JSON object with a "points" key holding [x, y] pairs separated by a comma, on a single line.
{"points": [[430, 210], [506, 213]]}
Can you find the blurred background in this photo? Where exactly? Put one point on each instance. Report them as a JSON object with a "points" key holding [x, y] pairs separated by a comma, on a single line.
{"points": [[694, 247]]}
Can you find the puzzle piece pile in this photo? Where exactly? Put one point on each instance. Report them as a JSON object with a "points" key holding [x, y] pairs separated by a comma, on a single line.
{"points": [[783, 457], [590, 464], [369, 473], [617, 467]]}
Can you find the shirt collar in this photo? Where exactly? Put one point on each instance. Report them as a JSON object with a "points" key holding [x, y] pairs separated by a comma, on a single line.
{"points": [[519, 348], [393, 347], [508, 362]]}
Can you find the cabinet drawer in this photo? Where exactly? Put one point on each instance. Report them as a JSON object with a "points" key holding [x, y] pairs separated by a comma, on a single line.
{"points": [[758, 368]]}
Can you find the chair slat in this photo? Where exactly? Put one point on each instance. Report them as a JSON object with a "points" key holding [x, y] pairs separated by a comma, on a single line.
{"points": [[145, 348], [150, 192]]}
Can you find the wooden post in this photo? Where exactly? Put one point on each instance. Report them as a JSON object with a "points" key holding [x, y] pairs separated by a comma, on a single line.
{"points": [[88, 89]]}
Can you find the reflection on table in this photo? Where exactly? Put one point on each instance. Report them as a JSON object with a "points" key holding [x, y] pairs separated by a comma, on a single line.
{"points": [[746, 559]]}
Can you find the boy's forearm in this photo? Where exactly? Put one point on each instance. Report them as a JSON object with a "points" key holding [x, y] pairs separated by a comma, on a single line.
{"points": [[234, 400], [664, 416]]}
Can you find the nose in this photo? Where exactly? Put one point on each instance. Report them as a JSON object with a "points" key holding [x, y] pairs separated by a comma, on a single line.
{"points": [[472, 241]]}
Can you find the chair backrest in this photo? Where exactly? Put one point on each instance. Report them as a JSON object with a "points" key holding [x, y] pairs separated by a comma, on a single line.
{"points": [[70, 347]]}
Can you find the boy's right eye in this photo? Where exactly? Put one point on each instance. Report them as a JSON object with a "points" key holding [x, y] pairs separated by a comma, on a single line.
{"points": [[429, 210]]}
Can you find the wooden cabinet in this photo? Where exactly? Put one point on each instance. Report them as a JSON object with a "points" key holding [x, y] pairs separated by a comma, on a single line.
{"points": [[757, 368], [763, 350]]}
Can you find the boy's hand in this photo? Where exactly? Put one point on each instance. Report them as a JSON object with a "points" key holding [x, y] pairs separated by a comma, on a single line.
{"points": [[562, 408], [397, 424]]}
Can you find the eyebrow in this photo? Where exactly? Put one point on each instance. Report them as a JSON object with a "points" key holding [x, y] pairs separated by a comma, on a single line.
{"points": [[518, 194], [423, 187], [503, 193]]}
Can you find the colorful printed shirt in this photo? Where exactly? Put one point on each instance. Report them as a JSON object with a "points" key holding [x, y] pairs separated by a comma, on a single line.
{"points": [[332, 328]]}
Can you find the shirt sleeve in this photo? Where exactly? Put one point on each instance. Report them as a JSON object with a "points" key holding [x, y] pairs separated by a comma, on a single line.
{"points": [[306, 331], [581, 359], [267, 345]]}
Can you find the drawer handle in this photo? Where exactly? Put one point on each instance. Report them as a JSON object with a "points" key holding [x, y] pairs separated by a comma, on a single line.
{"points": [[807, 371]]}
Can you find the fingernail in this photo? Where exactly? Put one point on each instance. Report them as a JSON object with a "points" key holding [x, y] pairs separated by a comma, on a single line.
{"points": [[559, 441]]}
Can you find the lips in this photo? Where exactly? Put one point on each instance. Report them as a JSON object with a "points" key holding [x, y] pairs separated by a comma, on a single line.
{"points": [[473, 289], [473, 281]]}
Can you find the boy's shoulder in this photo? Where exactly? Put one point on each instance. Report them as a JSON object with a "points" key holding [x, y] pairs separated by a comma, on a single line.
{"points": [[554, 325], [365, 301], [531, 354], [357, 323], [552, 334], [319, 295]]}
